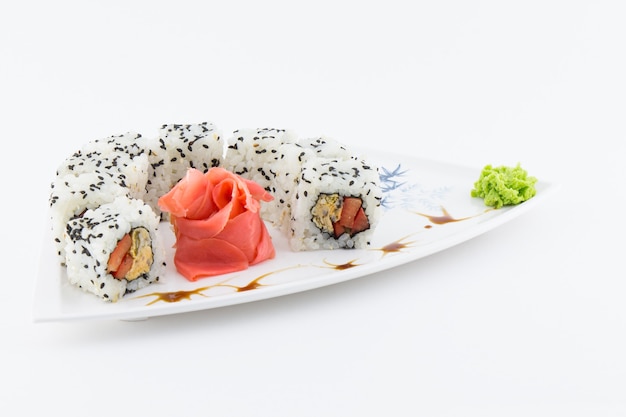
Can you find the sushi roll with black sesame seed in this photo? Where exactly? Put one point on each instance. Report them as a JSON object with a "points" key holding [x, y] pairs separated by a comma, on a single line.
{"points": [[114, 249], [177, 148], [197, 145], [292, 170], [71, 195], [285, 170], [326, 147], [269, 157], [129, 143], [252, 153], [129, 171], [336, 204], [158, 178]]}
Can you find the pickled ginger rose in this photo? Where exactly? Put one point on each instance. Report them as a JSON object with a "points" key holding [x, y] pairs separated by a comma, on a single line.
{"points": [[217, 224]]}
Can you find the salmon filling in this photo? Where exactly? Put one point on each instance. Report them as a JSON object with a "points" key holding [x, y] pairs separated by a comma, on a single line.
{"points": [[337, 215], [132, 257]]}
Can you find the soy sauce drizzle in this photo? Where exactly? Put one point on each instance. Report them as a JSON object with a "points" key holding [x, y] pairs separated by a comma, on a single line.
{"points": [[255, 283], [174, 296], [446, 217], [252, 285], [341, 267], [395, 247]]}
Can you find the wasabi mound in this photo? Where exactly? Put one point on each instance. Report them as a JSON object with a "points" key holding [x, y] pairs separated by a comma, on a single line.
{"points": [[503, 186]]}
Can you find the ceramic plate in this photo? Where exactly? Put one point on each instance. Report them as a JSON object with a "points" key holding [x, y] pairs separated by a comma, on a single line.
{"points": [[427, 208]]}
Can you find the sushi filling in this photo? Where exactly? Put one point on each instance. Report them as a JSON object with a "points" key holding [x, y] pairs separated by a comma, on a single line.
{"points": [[132, 256], [337, 215]]}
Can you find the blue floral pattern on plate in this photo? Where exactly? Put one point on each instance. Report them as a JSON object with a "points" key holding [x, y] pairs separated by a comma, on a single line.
{"points": [[400, 192]]}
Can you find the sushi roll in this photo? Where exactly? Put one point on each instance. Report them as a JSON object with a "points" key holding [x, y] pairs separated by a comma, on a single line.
{"points": [[198, 146], [130, 172], [130, 143], [114, 249], [158, 178], [305, 176], [177, 148], [252, 153], [285, 170], [335, 205], [326, 147], [71, 195], [266, 156]]}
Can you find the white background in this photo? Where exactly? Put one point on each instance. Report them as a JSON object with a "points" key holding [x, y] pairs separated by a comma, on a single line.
{"points": [[528, 319]]}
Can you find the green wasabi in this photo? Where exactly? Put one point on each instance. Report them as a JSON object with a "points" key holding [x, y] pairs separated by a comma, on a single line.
{"points": [[501, 186]]}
